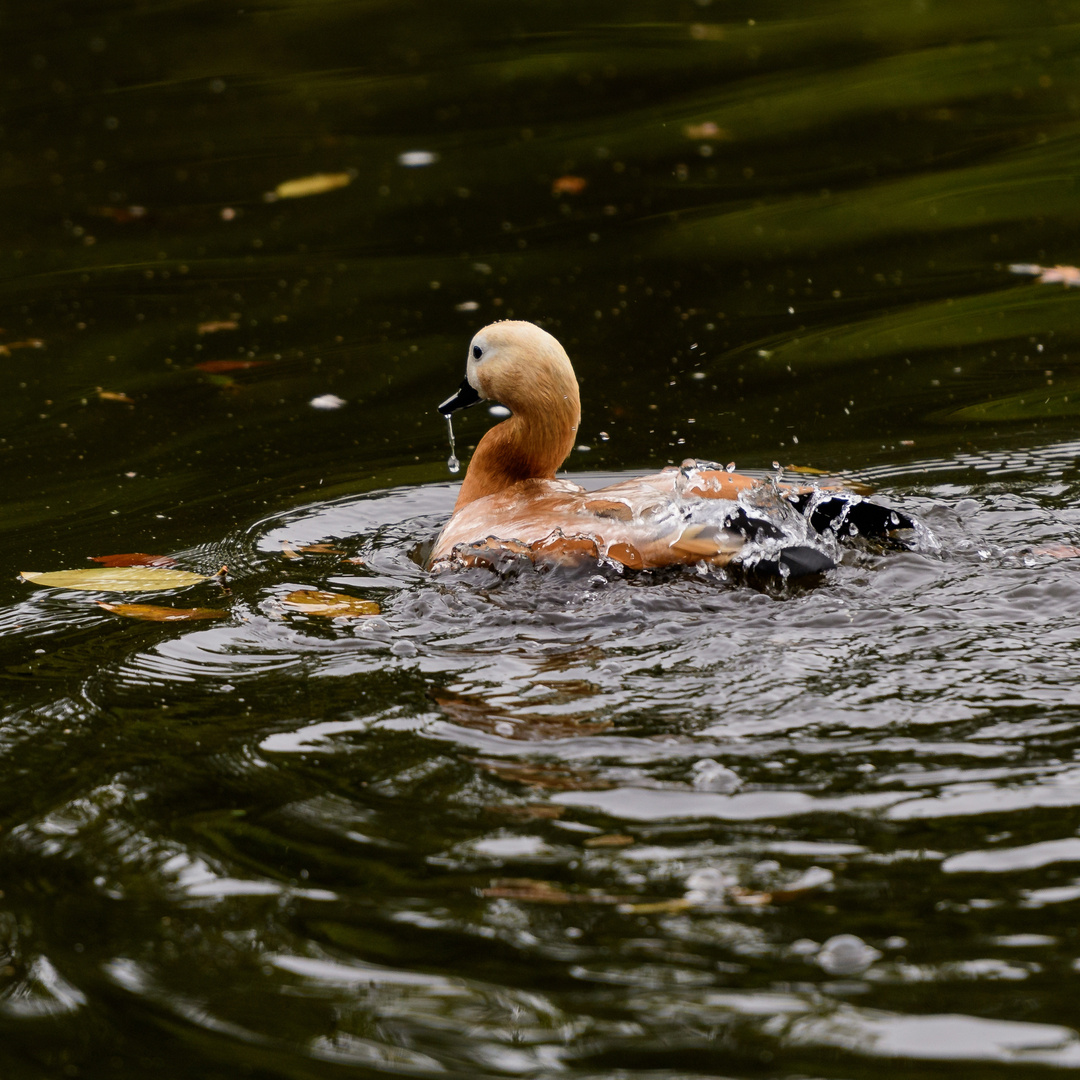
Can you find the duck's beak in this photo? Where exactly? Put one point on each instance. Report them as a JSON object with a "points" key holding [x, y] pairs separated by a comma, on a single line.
{"points": [[465, 396]]}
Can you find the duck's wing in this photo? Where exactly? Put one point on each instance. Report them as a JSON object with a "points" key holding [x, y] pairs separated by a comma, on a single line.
{"points": [[690, 481]]}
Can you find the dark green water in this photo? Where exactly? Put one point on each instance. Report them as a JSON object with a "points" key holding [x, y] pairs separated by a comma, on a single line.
{"points": [[480, 835]]}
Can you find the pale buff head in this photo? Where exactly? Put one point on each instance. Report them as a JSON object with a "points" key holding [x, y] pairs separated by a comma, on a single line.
{"points": [[524, 368]]}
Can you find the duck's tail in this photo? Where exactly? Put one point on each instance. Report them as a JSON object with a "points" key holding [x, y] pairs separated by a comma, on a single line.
{"points": [[851, 516], [846, 517]]}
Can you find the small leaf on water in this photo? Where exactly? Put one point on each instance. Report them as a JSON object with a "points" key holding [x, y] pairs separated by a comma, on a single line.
{"points": [[529, 811], [333, 605], [1049, 275], [310, 185], [540, 892], [116, 579], [216, 325], [157, 613], [218, 367], [134, 558], [31, 343], [706, 130], [658, 907], [113, 395], [609, 840], [321, 549], [569, 185], [543, 892], [1057, 551], [806, 470], [226, 382], [122, 215]]}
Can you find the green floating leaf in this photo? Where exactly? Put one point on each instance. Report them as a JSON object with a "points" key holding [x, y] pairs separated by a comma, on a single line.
{"points": [[116, 579]]}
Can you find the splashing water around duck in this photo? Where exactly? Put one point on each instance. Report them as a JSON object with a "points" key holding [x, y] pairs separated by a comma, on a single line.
{"points": [[700, 514]]}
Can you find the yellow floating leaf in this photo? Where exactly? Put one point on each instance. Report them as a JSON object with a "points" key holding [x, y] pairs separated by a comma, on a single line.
{"points": [[706, 130], [31, 343], [312, 185], [539, 892], [114, 395], [660, 907], [331, 604], [569, 185], [806, 470], [157, 613], [609, 840], [116, 579]]}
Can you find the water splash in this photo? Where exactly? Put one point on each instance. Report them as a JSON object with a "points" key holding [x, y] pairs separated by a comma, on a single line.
{"points": [[452, 462]]}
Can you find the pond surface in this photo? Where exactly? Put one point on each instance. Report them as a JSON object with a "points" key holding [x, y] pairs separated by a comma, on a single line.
{"points": [[526, 823]]}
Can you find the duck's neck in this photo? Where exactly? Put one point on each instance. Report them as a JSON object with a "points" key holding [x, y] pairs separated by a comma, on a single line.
{"points": [[531, 445]]}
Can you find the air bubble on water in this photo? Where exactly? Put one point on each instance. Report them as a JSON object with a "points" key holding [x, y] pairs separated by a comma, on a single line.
{"points": [[846, 954], [708, 886], [452, 462], [711, 775]]}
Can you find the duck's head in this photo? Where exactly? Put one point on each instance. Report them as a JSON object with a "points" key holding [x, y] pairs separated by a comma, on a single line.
{"points": [[520, 366]]}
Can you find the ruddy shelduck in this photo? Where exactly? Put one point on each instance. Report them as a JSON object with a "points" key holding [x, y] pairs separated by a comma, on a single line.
{"points": [[511, 501]]}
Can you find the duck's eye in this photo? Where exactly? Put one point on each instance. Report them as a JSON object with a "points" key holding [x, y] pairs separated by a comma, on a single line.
{"points": [[477, 352]]}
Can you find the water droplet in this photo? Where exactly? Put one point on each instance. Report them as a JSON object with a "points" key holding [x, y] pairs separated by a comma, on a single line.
{"points": [[730, 467], [452, 462]]}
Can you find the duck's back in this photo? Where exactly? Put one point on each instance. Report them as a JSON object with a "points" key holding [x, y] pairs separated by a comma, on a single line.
{"points": [[671, 517]]}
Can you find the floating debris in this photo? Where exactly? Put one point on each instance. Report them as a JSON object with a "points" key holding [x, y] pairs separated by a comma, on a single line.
{"points": [[114, 395], [1069, 276], [569, 185], [157, 613], [330, 604], [116, 579], [417, 159], [317, 184], [706, 130]]}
